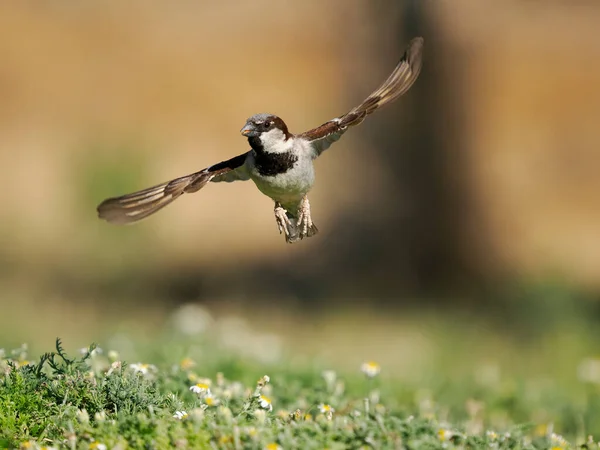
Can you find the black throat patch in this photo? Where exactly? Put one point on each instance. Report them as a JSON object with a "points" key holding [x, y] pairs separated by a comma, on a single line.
{"points": [[271, 164]]}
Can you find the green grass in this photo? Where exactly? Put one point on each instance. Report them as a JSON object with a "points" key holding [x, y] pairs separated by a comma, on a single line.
{"points": [[446, 381], [95, 400]]}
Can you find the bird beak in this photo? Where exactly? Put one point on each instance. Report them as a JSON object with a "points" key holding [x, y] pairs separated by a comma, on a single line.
{"points": [[248, 130]]}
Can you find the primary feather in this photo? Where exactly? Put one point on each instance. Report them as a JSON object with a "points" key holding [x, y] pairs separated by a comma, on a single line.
{"points": [[400, 81], [138, 205]]}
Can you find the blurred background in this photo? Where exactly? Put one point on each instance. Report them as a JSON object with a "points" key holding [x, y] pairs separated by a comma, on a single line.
{"points": [[459, 224]]}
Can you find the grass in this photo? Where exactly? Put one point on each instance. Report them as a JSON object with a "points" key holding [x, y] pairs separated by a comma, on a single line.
{"points": [[93, 398]]}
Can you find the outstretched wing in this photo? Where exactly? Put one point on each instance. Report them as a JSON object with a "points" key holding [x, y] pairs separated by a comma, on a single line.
{"points": [[401, 79], [133, 207]]}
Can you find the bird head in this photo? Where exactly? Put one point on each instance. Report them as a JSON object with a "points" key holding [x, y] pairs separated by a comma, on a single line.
{"points": [[265, 130]]}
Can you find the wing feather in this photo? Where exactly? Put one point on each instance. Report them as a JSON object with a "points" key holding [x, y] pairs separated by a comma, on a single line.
{"points": [[399, 81], [139, 205]]}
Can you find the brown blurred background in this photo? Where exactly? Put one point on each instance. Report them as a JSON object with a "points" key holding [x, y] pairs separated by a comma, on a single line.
{"points": [[484, 175]]}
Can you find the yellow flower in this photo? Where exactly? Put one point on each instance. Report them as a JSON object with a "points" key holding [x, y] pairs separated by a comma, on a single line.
{"points": [[225, 440], [283, 414], [272, 446], [295, 415], [192, 377], [187, 363], [371, 369]]}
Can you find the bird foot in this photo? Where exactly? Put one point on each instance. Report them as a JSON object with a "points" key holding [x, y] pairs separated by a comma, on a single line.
{"points": [[285, 225], [305, 225]]}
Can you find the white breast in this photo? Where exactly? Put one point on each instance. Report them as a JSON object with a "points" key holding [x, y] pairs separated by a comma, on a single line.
{"points": [[274, 141], [289, 187]]}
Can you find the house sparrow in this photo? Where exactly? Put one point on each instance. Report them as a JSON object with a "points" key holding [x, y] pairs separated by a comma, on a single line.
{"points": [[280, 163]]}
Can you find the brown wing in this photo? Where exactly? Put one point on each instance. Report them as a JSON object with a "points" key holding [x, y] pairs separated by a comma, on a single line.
{"points": [[133, 207], [401, 79]]}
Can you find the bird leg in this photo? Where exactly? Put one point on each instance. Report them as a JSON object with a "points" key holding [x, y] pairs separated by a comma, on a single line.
{"points": [[305, 225], [284, 224]]}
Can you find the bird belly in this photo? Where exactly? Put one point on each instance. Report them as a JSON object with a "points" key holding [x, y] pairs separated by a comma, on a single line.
{"points": [[289, 187]]}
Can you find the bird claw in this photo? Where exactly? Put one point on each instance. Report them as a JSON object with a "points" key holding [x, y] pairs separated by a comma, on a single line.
{"points": [[295, 230], [304, 223], [284, 224]]}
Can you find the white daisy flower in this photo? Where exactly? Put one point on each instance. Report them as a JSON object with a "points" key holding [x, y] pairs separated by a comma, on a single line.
{"points": [[201, 389], [273, 446], [327, 410], [209, 400], [97, 446], [84, 351], [324, 408], [558, 441], [492, 435], [144, 369], [444, 434], [371, 369], [265, 403], [179, 415]]}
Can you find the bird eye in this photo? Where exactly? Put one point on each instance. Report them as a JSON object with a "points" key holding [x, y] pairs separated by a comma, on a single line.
{"points": [[267, 124]]}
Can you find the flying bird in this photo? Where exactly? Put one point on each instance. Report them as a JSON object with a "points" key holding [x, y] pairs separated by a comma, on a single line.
{"points": [[280, 163]]}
